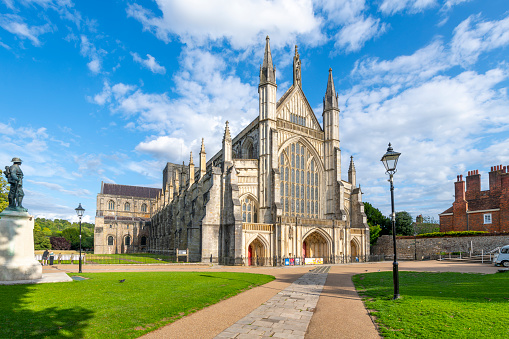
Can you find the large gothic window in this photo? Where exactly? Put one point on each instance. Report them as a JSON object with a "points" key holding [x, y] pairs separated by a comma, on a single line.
{"points": [[111, 205], [249, 211], [299, 182], [110, 240], [127, 206], [144, 208]]}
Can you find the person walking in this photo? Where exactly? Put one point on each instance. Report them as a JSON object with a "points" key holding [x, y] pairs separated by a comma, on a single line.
{"points": [[51, 257], [45, 258]]}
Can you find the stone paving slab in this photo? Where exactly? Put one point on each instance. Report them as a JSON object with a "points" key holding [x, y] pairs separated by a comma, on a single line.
{"points": [[287, 314]]}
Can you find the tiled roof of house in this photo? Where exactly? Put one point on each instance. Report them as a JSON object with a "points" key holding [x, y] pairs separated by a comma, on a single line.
{"points": [[449, 210], [130, 191], [484, 203]]}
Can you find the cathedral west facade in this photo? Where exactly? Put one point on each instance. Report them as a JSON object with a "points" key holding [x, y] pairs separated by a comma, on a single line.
{"points": [[274, 190]]}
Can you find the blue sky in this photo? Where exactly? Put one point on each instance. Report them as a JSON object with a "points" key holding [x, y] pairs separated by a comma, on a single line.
{"points": [[110, 91]]}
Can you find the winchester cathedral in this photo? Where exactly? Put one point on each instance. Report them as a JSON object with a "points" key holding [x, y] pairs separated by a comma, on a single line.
{"points": [[273, 191]]}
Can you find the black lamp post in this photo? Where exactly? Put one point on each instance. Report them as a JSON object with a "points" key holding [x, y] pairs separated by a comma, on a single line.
{"points": [[79, 211], [390, 160]]}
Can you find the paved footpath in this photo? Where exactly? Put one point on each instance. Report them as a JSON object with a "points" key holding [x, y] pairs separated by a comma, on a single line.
{"points": [[287, 314]]}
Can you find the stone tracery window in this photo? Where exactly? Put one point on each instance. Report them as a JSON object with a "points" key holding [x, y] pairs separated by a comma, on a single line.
{"points": [[127, 206], [299, 182], [110, 240], [144, 208], [111, 205], [249, 210]]}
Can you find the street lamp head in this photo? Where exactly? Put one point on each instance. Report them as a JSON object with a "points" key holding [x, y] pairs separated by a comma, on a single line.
{"points": [[80, 210], [390, 160]]}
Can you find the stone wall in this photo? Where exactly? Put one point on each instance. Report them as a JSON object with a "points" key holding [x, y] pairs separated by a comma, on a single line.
{"points": [[423, 248]]}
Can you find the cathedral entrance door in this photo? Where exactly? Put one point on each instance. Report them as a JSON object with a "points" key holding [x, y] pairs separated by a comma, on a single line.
{"points": [[315, 246], [256, 253]]}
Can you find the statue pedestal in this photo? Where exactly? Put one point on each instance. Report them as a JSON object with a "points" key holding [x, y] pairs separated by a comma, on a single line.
{"points": [[17, 261]]}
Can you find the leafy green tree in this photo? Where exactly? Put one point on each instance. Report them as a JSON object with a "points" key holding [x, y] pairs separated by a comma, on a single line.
{"points": [[426, 224], [374, 233], [41, 241], [404, 223], [72, 235], [4, 192], [375, 217]]}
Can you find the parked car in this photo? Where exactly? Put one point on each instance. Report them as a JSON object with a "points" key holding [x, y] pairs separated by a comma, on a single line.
{"points": [[502, 258]]}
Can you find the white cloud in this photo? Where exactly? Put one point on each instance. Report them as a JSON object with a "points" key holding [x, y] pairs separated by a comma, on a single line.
{"points": [[442, 127], [353, 36], [149, 63], [451, 3], [341, 11], [56, 187], [88, 49], [412, 6], [243, 23], [209, 94], [15, 24], [4, 45], [473, 36]]}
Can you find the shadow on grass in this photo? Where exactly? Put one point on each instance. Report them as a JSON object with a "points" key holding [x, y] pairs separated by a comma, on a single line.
{"points": [[21, 318]]}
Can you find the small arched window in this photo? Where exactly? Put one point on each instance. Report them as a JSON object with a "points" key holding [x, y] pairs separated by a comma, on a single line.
{"points": [[128, 241], [249, 211], [143, 241], [111, 205], [110, 240], [127, 206], [144, 208]]}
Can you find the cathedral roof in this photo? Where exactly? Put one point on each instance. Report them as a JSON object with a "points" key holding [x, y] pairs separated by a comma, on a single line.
{"points": [[130, 191]]}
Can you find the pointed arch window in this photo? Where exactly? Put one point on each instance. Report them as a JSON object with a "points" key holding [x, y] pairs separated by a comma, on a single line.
{"points": [[299, 182], [127, 207], [144, 208], [111, 205], [249, 210]]}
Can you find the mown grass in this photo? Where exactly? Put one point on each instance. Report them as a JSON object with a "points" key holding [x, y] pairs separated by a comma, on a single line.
{"points": [[102, 307], [139, 258], [438, 305]]}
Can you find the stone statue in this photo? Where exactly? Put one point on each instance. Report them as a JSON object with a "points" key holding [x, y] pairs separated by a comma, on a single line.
{"points": [[14, 176]]}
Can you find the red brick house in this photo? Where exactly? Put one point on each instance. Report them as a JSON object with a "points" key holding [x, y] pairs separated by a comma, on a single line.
{"points": [[476, 210]]}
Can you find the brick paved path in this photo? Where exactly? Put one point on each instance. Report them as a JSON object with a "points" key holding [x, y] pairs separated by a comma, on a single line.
{"points": [[287, 314]]}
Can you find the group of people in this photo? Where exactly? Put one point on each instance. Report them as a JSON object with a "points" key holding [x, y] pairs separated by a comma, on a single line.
{"points": [[47, 254]]}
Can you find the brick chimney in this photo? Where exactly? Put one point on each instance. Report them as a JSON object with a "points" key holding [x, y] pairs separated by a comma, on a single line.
{"points": [[473, 185], [460, 206], [496, 177]]}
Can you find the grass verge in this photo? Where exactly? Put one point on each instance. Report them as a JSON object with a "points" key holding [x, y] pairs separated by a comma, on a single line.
{"points": [[102, 307], [438, 305]]}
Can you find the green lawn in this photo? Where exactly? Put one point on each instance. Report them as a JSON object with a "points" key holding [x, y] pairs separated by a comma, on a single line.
{"points": [[438, 305], [102, 307], [139, 258]]}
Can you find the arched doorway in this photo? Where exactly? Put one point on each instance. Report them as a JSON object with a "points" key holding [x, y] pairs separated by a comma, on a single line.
{"points": [[354, 250], [315, 246], [256, 253]]}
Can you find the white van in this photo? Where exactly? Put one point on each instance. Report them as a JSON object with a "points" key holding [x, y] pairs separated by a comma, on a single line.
{"points": [[502, 258]]}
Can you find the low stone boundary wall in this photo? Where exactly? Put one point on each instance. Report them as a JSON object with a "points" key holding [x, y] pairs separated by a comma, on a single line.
{"points": [[424, 248]]}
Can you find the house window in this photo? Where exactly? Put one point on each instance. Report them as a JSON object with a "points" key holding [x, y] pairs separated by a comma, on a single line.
{"points": [[144, 208], [111, 205], [301, 186], [127, 206], [110, 240], [487, 218]]}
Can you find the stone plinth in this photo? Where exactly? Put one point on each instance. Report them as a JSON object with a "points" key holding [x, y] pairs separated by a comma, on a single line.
{"points": [[17, 261]]}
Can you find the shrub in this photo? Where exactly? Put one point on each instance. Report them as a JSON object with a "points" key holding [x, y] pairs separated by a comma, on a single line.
{"points": [[59, 243], [450, 234]]}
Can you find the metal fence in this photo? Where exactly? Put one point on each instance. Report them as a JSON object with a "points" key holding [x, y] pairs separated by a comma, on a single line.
{"points": [[296, 261]]}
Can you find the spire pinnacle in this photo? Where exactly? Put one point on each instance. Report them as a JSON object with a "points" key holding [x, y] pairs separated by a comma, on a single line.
{"points": [[352, 166], [330, 100], [227, 135], [297, 68], [267, 71], [191, 159], [202, 146]]}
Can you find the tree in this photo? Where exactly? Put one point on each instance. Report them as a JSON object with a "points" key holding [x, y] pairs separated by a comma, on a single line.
{"points": [[375, 217], [426, 224], [72, 235], [4, 192], [374, 233], [404, 223], [59, 243], [41, 241]]}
